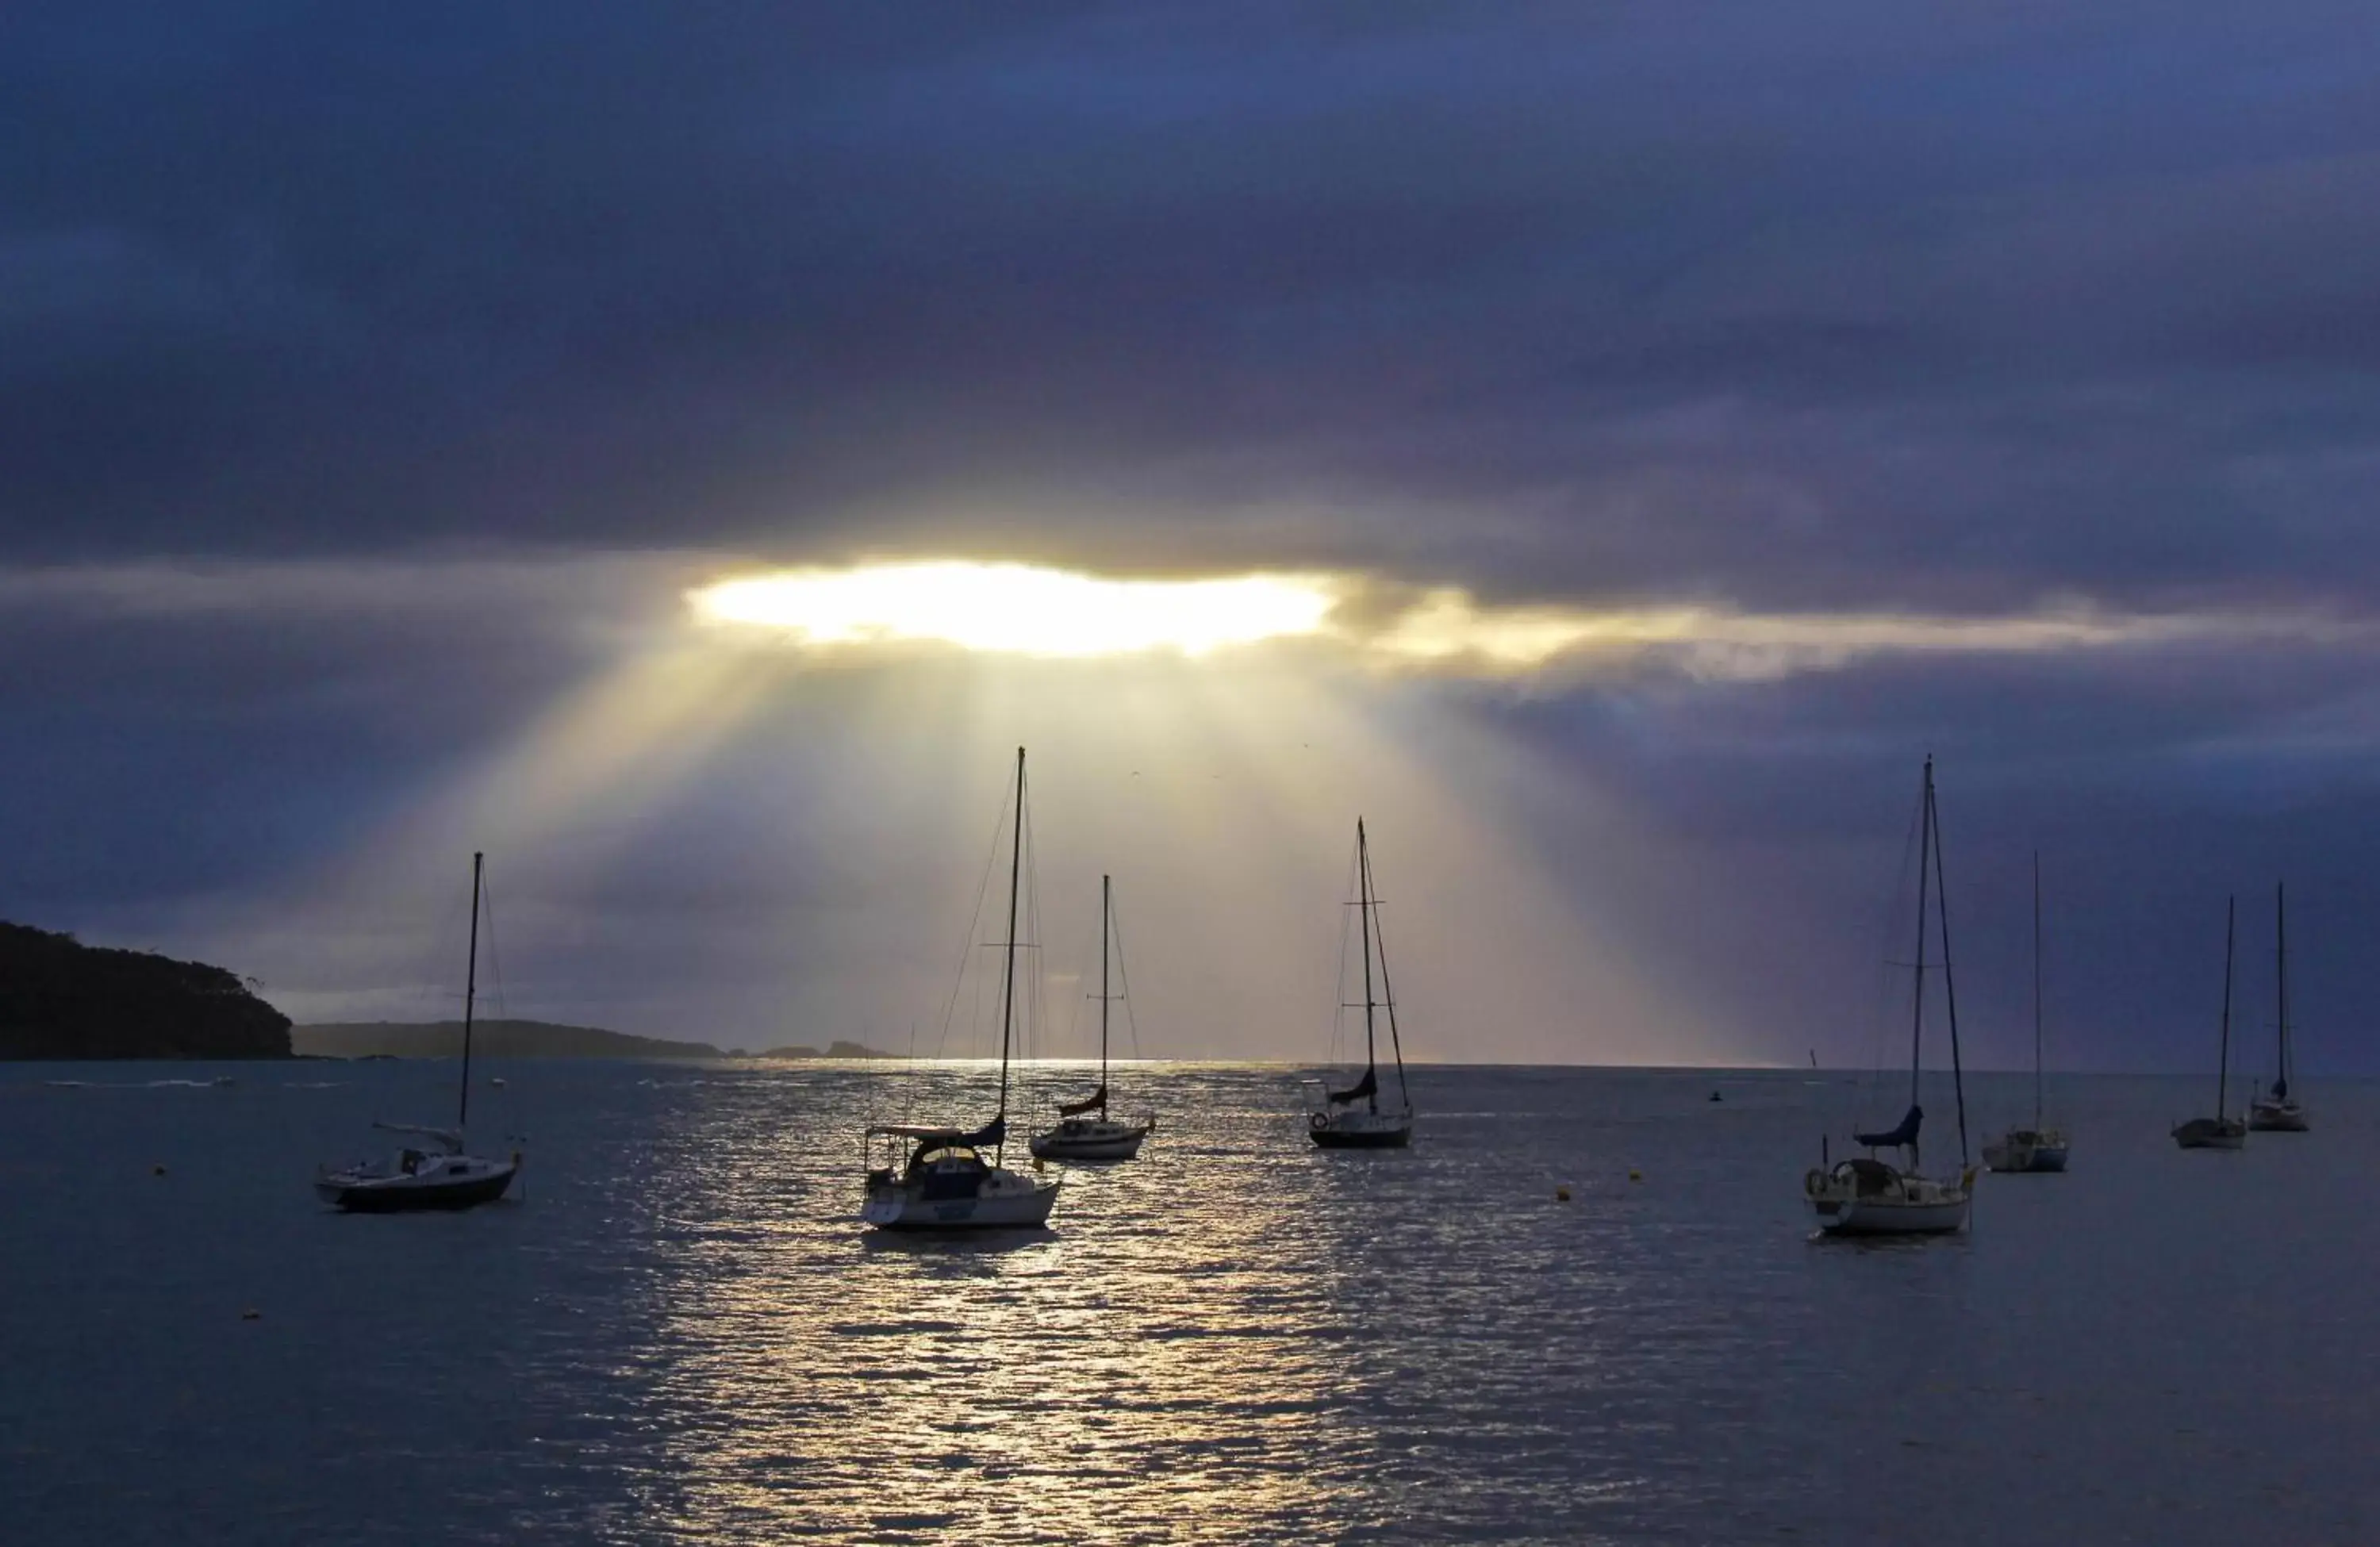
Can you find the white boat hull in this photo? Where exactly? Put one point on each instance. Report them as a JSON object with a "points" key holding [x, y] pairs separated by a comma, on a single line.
{"points": [[1005, 1201], [1353, 1129], [1864, 1198], [2278, 1117], [1100, 1140], [2026, 1151]]}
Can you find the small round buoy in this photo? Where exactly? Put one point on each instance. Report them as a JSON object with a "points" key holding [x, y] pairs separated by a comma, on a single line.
{"points": [[251, 1314], [157, 1170], [1635, 1175], [1561, 1195], [1715, 1095]]}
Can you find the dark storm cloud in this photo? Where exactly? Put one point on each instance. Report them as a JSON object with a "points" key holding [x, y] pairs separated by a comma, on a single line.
{"points": [[1620, 302]]}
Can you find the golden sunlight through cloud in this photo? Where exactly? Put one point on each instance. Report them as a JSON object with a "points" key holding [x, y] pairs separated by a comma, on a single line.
{"points": [[1020, 609]]}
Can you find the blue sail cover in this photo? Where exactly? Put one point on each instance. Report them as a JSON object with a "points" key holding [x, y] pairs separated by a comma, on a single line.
{"points": [[1095, 1101], [1905, 1134], [2280, 1089], [993, 1132], [1367, 1086]]}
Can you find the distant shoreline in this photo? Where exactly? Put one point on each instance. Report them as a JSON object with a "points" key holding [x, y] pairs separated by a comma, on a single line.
{"points": [[532, 1039]]}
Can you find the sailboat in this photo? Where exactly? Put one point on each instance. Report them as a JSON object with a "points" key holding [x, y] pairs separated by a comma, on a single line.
{"points": [[1079, 1135], [1353, 1118], [1866, 1196], [937, 1178], [2221, 1132], [2277, 1111], [446, 1176], [2036, 1148]]}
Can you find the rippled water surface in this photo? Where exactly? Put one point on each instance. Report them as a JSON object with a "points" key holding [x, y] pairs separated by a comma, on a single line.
{"points": [[680, 1335]]}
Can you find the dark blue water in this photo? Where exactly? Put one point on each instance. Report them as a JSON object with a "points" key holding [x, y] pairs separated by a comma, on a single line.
{"points": [[679, 1335]]}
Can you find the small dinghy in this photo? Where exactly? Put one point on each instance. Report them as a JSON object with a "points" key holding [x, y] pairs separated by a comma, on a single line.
{"points": [[2221, 1132], [445, 1177]]}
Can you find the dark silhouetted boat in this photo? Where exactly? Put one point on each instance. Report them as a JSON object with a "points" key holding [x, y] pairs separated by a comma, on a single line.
{"points": [[944, 1182], [2221, 1132], [2036, 1148], [1866, 1196], [1085, 1131], [1353, 1118], [441, 1173], [2278, 1110]]}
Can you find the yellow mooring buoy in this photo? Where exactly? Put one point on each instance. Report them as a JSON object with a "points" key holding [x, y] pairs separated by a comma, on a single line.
{"points": [[1561, 1195], [1635, 1175]]}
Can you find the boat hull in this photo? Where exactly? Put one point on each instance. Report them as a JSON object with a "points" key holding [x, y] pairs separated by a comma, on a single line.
{"points": [[2210, 1133], [1102, 1142], [1876, 1217], [2271, 1118], [414, 1195], [2019, 1152], [1362, 1131], [903, 1207], [1864, 1198]]}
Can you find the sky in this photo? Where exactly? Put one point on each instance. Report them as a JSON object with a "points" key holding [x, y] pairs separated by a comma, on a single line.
{"points": [[1677, 421]]}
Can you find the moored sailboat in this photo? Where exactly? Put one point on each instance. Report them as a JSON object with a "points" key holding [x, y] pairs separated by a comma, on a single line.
{"points": [[1866, 1196], [1353, 1118], [2037, 1148], [1080, 1135], [447, 1177], [2279, 1111], [937, 1178], [2221, 1132]]}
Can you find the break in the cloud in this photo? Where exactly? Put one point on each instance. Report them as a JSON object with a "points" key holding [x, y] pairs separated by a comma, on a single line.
{"points": [[1770, 396]]}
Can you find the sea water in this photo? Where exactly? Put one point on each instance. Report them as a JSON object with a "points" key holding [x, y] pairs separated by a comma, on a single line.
{"points": [[679, 1332]]}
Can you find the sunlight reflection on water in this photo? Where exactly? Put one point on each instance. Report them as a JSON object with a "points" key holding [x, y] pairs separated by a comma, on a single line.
{"points": [[683, 1334]]}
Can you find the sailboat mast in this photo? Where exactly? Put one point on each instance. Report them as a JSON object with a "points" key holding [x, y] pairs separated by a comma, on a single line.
{"points": [[1389, 1002], [1008, 973], [470, 992], [1925, 874], [1107, 912], [2223, 1060], [2036, 991], [2282, 940], [1949, 984], [1364, 907]]}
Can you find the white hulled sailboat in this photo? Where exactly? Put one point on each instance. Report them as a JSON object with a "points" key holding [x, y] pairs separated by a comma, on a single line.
{"points": [[2279, 1111], [1868, 1196], [935, 1177], [1353, 1118], [446, 1177], [2221, 1132], [1080, 1136], [2036, 1148]]}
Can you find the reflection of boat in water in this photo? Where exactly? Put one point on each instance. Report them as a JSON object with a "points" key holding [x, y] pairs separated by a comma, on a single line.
{"points": [[944, 1182], [2221, 1132], [1353, 1118], [1080, 1136], [2036, 1148], [1866, 1196], [446, 1177], [2277, 1111]]}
